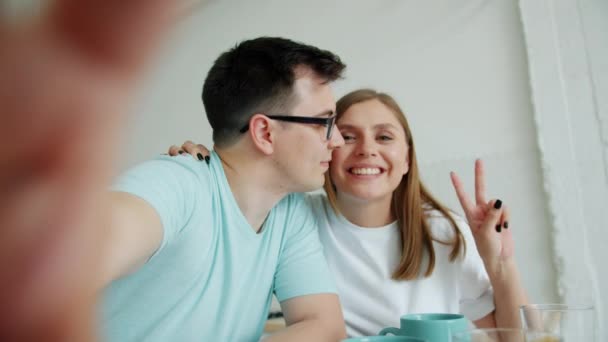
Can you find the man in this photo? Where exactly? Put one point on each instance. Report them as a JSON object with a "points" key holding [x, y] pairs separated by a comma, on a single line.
{"points": [[210, 243], [188, 252]]}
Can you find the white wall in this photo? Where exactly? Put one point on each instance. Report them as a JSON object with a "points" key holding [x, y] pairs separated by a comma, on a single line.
{"points": [[568, 56]]}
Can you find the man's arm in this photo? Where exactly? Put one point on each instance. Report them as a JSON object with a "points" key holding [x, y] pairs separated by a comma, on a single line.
{"points": [[316, 317], [132, 233]]}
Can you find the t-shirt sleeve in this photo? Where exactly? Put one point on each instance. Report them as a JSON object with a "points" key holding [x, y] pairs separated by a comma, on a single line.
{"points": [[477, 296], [168, 185], [302, 268]]}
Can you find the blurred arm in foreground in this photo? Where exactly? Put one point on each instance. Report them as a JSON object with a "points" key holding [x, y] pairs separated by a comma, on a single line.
{"points": [[66, 81]]}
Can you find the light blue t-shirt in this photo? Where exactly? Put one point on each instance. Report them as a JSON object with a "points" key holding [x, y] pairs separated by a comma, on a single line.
{"points": [[213, 277]]}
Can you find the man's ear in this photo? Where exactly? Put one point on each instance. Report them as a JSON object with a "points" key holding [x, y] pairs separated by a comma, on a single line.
{"points": [[261, 133]]}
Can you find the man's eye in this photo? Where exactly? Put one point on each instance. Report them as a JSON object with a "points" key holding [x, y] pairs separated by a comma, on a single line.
{"points": [[347, 137]]}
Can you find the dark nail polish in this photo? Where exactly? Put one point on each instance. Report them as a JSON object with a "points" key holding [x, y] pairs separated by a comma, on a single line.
{"points": [[180, 151], [498, 228], [506, 225], [207, 159], [199, 156], [497, 204]]}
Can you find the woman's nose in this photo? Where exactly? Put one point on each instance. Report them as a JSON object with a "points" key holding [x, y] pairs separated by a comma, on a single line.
{"points": [[366, 147]]}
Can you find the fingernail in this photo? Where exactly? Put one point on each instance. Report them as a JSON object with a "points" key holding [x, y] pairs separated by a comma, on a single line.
{"points": [[498, 228], [180, 151], [200, 156], [497, 204], [207, 159], [506, 225]]}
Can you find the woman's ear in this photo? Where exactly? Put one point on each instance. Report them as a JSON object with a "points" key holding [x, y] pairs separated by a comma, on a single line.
{"points": [[261, 133], [406, 167]]}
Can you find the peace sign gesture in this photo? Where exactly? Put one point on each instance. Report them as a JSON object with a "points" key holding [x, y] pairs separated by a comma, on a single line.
{"points": [[488, 220]]}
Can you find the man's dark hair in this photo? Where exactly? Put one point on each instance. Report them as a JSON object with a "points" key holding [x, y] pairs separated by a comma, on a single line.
{"points": [[257, 76]]}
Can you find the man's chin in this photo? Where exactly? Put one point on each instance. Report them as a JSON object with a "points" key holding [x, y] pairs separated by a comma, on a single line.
{"points": [[311, 186]]}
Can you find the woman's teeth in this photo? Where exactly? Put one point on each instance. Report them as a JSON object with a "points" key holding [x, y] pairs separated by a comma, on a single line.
{"points": [[365, 171]]}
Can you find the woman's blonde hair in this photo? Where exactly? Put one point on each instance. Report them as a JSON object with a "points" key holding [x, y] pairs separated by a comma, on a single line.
{"points": [[411, 200]]}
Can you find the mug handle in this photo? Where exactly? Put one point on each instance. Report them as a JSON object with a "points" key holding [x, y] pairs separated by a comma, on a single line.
{"points": [[391, 330]]}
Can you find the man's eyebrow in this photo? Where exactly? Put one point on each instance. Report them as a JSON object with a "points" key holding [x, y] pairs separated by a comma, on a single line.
{"points": [[325, 113]]}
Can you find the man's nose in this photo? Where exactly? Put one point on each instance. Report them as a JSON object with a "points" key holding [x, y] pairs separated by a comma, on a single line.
{"points": [[336, 140]]}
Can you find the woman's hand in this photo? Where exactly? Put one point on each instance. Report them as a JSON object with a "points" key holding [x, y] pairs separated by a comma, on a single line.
{"points": [[198, 151], [489, 221]]}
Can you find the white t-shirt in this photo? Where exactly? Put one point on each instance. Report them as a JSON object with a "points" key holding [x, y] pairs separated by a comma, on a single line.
{"points": [[362, 261]]}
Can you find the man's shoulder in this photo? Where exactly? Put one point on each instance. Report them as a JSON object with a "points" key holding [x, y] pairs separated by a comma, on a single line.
{"points": [[167, 165], [184, 163], [307, 200], [293, 202], [163, 177], [316, 199], [294, 212]]}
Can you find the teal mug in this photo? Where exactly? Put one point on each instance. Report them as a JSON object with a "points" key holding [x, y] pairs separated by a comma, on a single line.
{"points": [[433, 327], [385, 339]]}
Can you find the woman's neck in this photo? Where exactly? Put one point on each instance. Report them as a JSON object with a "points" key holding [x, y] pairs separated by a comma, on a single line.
{"points": [[366, 213]]}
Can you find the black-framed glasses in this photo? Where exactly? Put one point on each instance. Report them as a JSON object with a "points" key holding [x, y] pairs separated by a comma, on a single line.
{"points": [[328, 122]]}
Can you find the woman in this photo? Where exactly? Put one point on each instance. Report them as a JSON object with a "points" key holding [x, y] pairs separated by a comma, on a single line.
{"points": [[395, 249]]}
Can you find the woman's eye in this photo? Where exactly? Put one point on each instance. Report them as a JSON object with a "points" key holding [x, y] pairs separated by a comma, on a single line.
{"points": [[347, 137], [385, 138]]}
